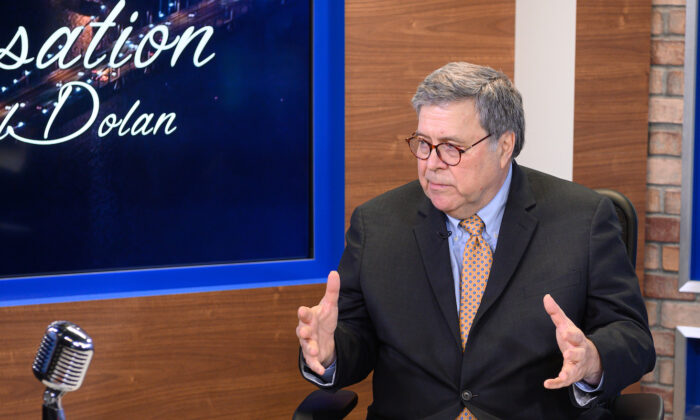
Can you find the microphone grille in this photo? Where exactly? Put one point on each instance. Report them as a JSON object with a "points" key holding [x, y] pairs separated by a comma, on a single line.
{"points": [[63, 357], [43, 355]]}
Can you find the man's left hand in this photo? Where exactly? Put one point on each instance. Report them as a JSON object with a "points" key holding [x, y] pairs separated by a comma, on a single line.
{"points": [[581, 358]]}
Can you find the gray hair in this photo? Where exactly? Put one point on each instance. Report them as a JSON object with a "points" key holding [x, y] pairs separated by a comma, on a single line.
{"points": [[498, 102]]}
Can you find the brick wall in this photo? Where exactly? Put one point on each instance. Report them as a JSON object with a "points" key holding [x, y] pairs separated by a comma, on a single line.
{"points": [[667, 307]]}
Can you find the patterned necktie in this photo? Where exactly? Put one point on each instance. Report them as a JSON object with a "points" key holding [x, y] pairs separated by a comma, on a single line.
{"points": [[476, 265]]}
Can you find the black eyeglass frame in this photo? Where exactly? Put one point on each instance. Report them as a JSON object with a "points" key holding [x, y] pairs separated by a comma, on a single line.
{"points": [[437, 150]]}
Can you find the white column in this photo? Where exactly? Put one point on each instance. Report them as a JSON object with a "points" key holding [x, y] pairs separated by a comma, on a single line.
{"points": [[545, 53]]}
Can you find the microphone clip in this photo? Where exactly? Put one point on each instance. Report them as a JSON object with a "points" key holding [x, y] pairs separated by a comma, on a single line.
{"points": [[444, 235]]}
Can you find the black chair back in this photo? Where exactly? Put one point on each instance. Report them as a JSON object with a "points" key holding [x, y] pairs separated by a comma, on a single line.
{"points": [[632, 406], [628, 220]]}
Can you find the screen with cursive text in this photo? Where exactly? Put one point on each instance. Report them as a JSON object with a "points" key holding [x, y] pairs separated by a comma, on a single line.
{"points": [[154, 133]]}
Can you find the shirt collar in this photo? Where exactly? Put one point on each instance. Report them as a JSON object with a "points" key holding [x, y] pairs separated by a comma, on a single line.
{"points": [[491, 213]]}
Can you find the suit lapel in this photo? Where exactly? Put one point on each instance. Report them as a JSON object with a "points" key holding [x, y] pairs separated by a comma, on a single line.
{"points": [[517, 228], [431, 235]]}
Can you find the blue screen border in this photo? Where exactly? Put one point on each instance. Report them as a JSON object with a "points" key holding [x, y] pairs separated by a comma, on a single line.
{"points": [[328, 99]]}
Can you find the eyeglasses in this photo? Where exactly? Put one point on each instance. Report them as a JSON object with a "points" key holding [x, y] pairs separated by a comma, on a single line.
{"points": [[448, 153]]}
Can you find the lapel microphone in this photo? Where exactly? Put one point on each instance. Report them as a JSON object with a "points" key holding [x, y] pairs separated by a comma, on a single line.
{"points": [[444, 235], [61, 364]]}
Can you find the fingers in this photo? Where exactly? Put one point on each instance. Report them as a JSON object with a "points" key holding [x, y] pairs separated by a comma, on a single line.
{"points": [[574, 336], [305, 314], [574, 355], [309, 346], [304, 329], [555, 383], [573, 345], [332, 288], [566, 330], [566, 377], [571, 370], [303, 332], [558, 316], [315, 365], [579, 364], [317, 326], [310, 350]]}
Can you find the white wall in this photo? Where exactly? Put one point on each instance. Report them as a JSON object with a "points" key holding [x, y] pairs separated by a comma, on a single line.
{"points": [[545, 52]]}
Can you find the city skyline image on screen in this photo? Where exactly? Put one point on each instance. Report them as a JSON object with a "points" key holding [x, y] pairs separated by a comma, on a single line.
{"points": [[151, 133]]}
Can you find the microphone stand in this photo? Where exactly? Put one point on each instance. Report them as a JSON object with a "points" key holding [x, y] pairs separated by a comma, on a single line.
{"points": [[52, 408]]}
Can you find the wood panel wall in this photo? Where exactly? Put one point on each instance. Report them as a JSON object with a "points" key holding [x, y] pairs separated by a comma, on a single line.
{"points": [[391, 45], [611, 100], [221, 355]]}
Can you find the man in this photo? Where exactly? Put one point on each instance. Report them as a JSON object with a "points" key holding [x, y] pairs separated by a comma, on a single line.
{"points": [[485, 289]]}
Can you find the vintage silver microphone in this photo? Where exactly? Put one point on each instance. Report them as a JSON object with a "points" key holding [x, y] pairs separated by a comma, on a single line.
{"points": [[61, 363]]}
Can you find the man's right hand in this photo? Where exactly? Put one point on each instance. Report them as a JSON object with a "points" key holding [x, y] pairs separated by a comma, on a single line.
{"points": [[317, 325]]}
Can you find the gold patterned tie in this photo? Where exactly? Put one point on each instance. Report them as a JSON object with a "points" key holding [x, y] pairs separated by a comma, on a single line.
{"points": [[476, 265]]}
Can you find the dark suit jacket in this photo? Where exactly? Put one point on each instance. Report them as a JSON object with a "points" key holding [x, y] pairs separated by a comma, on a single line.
{"points": [[398, 313]]}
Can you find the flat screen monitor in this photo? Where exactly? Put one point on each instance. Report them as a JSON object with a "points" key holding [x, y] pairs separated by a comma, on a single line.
{"points": [[153, 146]]}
